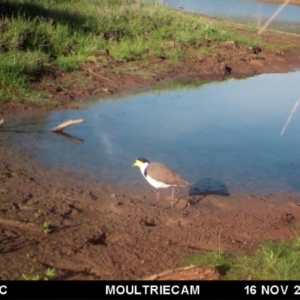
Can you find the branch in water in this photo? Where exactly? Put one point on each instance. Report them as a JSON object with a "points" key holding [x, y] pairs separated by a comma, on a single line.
{"points": [[64, 125]]}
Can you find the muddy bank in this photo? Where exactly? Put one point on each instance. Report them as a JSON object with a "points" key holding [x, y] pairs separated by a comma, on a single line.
{"points": [[221, 60], [291, 2], [98, 231]]}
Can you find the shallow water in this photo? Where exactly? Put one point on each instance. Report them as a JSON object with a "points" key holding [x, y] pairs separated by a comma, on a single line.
{"points": [[222, 136], [246, 11]]}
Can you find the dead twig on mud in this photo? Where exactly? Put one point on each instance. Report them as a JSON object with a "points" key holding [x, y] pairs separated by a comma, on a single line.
{"points": [[187, 202], [95, 74], [20, 224], [188, 273], [64, 125]]}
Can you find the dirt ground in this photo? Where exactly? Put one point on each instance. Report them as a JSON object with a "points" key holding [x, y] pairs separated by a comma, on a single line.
{"points": [[99, 231]]}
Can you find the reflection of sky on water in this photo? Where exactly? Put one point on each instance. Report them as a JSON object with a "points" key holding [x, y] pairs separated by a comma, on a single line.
{"points": [[228, 131], [250, 11]]}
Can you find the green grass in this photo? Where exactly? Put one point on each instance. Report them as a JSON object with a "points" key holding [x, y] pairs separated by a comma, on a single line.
{"points": [[271, 261], [46, 227], [37, 35], [41, 275]]}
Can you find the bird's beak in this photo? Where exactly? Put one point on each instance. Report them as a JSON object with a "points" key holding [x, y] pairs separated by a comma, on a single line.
{"points": [[136, 164]]}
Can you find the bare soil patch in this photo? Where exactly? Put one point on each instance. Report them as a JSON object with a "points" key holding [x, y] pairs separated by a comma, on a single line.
{"points": [[98, 231]]}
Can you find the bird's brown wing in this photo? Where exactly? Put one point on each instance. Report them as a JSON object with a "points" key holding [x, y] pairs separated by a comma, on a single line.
{"points": [[162, 173]]}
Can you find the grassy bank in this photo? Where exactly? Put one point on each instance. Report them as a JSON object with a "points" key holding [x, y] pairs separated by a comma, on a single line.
{"points": [[38, 36], [271, 261]]}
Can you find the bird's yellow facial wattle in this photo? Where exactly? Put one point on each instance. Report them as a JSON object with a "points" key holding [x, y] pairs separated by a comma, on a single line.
{"points": [[136, 164]]}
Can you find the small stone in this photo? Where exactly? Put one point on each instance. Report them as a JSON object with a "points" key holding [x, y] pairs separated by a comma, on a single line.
{"points": [[256, 49]]}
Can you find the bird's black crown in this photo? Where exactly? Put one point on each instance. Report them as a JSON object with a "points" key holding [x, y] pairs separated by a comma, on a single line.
{"points": [[142, 159]]}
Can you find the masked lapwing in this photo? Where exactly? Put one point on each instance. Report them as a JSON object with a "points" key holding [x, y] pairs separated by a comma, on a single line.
{"points": [[160, 176]]}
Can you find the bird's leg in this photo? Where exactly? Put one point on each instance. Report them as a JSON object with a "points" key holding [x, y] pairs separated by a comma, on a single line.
{"points": [[157, 196], [173, 189]]}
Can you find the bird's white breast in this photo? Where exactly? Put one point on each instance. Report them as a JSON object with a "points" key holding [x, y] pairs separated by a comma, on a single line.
{"points": [[153, 182]]}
